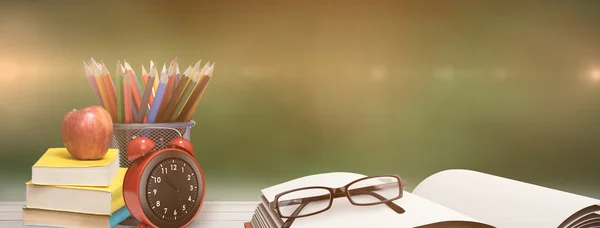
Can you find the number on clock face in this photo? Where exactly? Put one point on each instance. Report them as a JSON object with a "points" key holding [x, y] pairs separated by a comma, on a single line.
{"points": [[172, 189]]}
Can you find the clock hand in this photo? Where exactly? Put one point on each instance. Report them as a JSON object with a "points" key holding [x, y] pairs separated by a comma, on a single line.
{"points": [[179, 199], [171, 184], [177, 190]]}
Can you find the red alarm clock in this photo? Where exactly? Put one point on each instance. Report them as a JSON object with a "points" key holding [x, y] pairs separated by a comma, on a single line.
{"points": [[163, 188]]}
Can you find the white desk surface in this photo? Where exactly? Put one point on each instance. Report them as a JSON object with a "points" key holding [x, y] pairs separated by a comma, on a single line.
{"points": [[214, 214]]}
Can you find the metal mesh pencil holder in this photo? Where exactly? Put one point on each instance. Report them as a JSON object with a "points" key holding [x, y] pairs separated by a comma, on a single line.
{"points": [[160, 133]]}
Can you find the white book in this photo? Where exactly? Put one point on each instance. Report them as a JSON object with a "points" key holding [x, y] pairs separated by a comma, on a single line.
{"points": [[451, 198], [78, 199]]}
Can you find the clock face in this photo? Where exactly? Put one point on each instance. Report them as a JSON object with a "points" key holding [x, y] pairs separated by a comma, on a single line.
{"points": [[172, 190]]}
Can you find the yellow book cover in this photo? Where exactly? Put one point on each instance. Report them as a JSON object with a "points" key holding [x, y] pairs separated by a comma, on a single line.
{"points": [[58, 167], [81, 199], [61, 158]]}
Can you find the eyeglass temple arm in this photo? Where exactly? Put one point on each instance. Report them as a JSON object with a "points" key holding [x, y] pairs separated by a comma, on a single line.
{"points": [[289, 221]]}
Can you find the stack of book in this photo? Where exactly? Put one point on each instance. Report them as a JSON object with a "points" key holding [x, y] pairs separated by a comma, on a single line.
{"points": [[66, 192]]}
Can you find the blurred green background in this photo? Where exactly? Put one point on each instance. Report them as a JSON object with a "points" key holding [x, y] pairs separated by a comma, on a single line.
{"points": [[510, 88]]}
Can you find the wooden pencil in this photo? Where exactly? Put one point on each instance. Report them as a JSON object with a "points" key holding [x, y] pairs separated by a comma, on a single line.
{"points": [[151, 99], [110, 90], [188, 111], [185, 96], [155, 81], [177, 74], [127, 100], [158, 98], [168, 90], [144, 75], [137, 98], [134, 110], [146, 98], [100, 82], [180, 88], [90, 77], [138, 81], [152, 66], [119, 89]]}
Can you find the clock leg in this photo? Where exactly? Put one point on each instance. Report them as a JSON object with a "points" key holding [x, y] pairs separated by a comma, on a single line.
{"points": [[141, 225]]}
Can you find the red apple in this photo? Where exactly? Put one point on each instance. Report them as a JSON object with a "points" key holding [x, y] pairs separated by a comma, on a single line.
{"points": [[87, 133]]}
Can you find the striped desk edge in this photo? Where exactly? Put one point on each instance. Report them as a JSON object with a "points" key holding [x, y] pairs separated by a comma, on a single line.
{"points": [[214, 214]]}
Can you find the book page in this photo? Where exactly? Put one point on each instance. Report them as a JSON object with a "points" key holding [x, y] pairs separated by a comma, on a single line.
{"points": [[580, 217], [586, 220], [501, 202], [342, 213]]}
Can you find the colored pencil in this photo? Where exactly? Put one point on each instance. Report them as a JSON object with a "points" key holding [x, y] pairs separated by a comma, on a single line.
{"points": [[158, 98], [101, 87], [138, 82], [137, 98], [144, 75], [134, 110], [155, 81], [172, 71], [192, 102], [177, 74], [90, 77], [186, 95], [127, 100], [110, 90], [146, 98], [119, 85], [168, 90], [177, 93], [112, 84], [153, 89]]}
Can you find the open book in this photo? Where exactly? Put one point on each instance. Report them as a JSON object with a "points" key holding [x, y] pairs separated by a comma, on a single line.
{"points": [[451, 198]]}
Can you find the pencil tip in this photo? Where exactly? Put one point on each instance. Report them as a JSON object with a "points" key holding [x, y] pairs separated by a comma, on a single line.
{"points": [[211, 69], [154, 72], [205, 69], [104, 70], [187, 71], [171, 69], [88, 71], [127, 66], [196, 67], [164, 78]]}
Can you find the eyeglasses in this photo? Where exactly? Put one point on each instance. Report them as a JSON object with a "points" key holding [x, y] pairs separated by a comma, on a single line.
{"points": [[366, 191]]}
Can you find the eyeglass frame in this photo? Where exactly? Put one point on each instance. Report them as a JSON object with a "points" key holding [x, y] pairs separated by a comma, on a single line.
{"points": [[343, 192]]}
